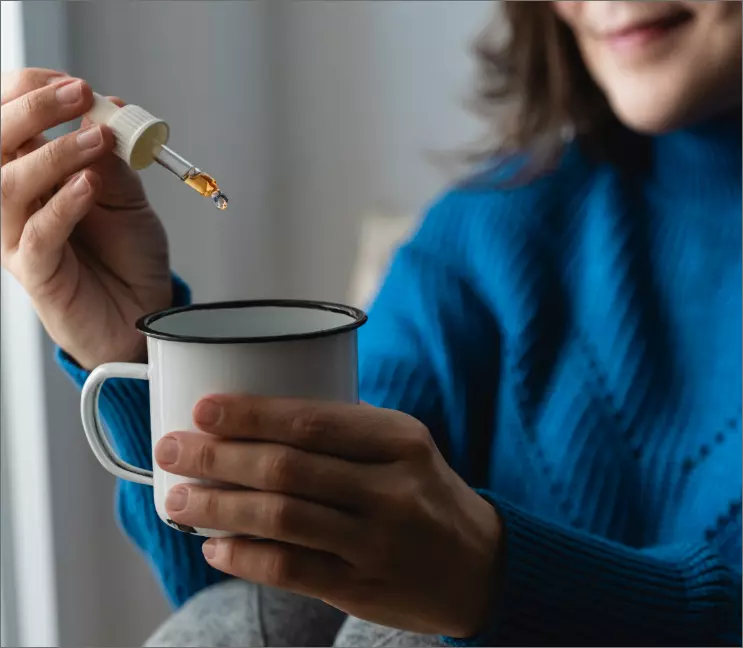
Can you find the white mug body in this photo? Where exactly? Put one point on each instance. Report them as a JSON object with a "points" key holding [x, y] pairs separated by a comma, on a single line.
{"points": [[181, 374]]}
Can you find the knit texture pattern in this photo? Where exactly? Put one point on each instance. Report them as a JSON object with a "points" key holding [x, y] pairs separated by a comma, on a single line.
{"points": [[574, 346]]}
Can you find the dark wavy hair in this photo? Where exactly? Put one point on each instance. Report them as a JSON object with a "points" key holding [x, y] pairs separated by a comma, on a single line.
{"points": [[535, 90]]}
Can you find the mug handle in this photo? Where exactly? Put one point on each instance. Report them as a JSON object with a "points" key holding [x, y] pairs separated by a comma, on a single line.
{"points": [[93, 426]]}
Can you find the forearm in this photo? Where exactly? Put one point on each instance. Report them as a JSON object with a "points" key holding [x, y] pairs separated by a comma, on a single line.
{"points": [[561, 586]]}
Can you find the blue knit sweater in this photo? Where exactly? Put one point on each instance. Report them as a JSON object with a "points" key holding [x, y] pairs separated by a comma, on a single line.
{"points": [[574, 346]]}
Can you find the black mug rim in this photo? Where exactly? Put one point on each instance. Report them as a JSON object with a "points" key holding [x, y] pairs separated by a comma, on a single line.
{"points": [[359, 317]]}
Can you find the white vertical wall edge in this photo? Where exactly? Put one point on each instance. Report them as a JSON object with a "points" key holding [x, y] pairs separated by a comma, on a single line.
{"points": [[27, 464], [27, 505]]}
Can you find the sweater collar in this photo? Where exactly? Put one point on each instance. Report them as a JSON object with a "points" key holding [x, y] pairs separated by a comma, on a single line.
{"points": [[702, 162]]}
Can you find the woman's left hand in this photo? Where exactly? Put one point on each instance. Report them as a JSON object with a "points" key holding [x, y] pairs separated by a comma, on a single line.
{"points": [[357, 506]]}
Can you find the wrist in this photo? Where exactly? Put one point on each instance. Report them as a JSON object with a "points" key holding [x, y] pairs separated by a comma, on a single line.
{"points": [[88, 360], [476, 609]]}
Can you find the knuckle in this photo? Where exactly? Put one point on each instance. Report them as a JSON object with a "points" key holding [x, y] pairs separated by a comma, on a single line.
{"points": [[409, 490], [278, 469], [210, 505], [398, 494], [7, 183], [56, 207], [249, 415], [34, 105], [228, 554], [276, 516], [206, 458], [52, 153], [278, 569], [28, 105], [418, 440], [308, 425], [31, 240]]}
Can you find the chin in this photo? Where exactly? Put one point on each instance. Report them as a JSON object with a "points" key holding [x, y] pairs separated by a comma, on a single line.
{"points": [[650, 124], [653, 118]]}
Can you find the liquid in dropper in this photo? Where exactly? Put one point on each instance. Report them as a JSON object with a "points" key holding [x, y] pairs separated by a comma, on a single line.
{"points": [[207, 186]]}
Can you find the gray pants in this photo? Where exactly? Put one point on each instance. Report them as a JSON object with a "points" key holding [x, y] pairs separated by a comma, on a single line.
{"points": [[240, 614]]}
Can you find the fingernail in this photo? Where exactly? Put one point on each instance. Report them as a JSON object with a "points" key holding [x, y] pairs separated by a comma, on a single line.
{"points": [[166, 451], [81, 186], [209, 549], [90, 138], [176, 499], [207, 413], [70, 93]]}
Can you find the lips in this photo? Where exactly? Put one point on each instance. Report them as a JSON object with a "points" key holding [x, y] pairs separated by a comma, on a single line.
{"points": [[661, 23], [643, 36]]}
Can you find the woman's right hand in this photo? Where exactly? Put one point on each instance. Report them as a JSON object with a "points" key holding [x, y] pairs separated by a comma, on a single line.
{"points": [[77, 230]]}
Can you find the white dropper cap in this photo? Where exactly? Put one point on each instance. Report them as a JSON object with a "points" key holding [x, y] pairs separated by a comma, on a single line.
{"points": [[140, 136]]}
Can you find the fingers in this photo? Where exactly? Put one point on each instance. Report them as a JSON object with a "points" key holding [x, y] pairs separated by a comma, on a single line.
{"points": [[299, 570], [25, 148], [357, 432], [265, 515], [127, 191], [47, 231], [31, 145], [27, 178], [16, 83], [269, 467], [34, 112]]}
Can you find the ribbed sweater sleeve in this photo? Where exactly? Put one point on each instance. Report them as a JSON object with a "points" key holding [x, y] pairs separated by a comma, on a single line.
{"points": [[175, 557], [560, 586]]}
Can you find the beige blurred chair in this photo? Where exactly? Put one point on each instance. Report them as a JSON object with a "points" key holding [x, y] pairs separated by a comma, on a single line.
{"points": [[380, 236]]}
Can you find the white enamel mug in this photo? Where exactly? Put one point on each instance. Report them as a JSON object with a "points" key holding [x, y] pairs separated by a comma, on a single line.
{"points": [[280, 348]]}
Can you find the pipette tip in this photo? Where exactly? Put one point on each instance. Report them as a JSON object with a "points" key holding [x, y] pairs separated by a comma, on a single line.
{"points": [[220, 200]]}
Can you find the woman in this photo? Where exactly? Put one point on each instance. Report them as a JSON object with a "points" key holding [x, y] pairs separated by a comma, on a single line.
{"points": [[563, 333]]}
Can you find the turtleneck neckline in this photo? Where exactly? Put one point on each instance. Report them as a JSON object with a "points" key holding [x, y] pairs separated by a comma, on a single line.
{"points": [[700, 159]]}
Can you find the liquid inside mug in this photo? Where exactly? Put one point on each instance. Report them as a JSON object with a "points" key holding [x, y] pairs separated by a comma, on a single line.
{"points": [[288, 348]]}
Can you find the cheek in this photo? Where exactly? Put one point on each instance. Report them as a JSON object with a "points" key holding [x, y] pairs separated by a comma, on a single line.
{"points": [[594, 57], [717, 12], [568, 11]]}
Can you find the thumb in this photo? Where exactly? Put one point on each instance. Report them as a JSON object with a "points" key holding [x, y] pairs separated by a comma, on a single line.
{"points": [[121, 186]]}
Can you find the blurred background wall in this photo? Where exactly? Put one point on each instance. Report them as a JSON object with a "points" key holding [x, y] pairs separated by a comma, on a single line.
{"points": [[317, 118]]}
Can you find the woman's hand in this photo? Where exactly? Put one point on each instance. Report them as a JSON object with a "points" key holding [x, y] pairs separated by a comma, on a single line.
{"points": [[361, 509], [77, 230]]}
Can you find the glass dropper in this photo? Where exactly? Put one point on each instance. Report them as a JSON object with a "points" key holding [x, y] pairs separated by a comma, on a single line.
{"points": [[192, 176], [140, 139]]}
